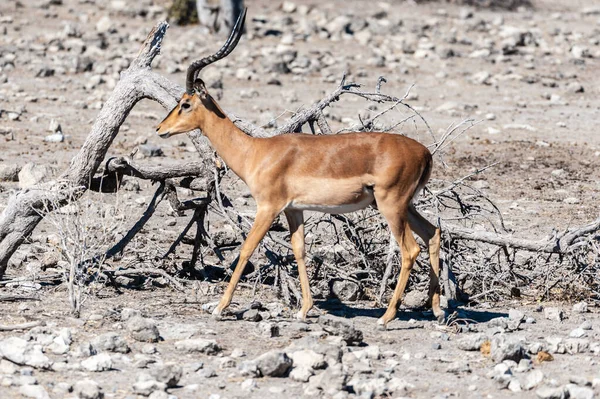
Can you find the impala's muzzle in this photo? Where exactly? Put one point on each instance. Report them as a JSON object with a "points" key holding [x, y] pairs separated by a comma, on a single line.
{"points": [[163, 135]]}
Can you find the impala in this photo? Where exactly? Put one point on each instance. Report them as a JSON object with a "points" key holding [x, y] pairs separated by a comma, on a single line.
{"points": [[298, 172]]}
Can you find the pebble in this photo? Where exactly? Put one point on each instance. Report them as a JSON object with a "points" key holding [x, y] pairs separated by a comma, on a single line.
{"points": [[87, 389], [547, 392], [533, 379], [111, 342], [168, 373], [344, 328], [580, 307], [273, 364], [142, 329], [198, 345], [554, 314], [34, 391], [98, 363]]}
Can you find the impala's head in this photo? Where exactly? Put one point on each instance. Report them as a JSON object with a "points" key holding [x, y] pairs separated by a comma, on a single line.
{"points": [[195, 103]]}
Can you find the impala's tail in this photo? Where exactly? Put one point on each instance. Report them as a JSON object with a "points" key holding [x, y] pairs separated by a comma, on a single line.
{"points": [[425, 175]]}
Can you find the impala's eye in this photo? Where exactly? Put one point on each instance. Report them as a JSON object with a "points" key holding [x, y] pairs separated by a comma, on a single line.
{"points": [[185, 105]]}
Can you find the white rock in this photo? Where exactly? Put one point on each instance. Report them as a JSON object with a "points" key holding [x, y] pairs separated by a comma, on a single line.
{"points": [[554, 314], [577, 333], [580, 307], [248, 384], [100, 362], [301, 374], [87, 389], [198, 345], [32, 174], [34, 391], [533, 379], [308, 359], [21, 352], [577, 392], [104, 24]]}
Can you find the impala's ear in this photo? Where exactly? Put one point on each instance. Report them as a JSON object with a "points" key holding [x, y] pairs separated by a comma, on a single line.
{"points": [[200, 88]]}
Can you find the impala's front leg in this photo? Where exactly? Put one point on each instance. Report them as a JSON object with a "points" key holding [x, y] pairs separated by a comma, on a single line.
{"points": [[264, 217]]}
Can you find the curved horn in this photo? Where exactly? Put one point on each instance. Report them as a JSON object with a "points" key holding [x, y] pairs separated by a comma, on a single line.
{"points": [[232, 41]]}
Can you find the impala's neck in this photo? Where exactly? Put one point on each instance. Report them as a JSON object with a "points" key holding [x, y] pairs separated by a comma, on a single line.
{"points": [[228, 140]]}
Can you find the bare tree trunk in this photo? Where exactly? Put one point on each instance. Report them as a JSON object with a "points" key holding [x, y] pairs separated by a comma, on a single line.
{"points": [[219, 15]]}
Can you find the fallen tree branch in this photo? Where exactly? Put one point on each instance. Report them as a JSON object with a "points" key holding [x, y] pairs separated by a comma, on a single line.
{"points": [[22, 326]]}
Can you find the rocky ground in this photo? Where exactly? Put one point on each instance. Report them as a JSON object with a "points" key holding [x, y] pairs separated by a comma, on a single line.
{"points": [[168, 346], [530, 76]]}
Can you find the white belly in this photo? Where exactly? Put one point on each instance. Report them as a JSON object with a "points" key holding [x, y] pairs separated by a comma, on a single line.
{"points": [[365, 199]]}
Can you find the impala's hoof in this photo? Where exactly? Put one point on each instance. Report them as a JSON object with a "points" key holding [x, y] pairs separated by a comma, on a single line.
{"points": [[440, 317], [300, 316], [217, 314], [381, 325]]}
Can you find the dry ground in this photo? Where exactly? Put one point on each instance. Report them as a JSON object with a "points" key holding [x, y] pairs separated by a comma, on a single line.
{"points": [[542, 135]]}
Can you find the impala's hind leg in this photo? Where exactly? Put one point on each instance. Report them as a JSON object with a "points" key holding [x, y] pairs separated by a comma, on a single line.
{"points": [[296, 223], [396, 214], [431, 236]]}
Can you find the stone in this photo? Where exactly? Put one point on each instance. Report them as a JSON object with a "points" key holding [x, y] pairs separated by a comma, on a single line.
{"points": [[150, 150], [506, 348], [252, 315], [554, 314], [147, 387], [533, 379], [576, 345], [580, 307], [111, 342], [169, 373], [206, 373], [268, 329], [514, 314], [514, 385], [344, 328], [273, 364], [415, 299], [55, 138], [97, 363], [32, 174], [87, 389], [159, 395], [61, 389], [7, 368], [370, 387], [248, 384], [524, 365], [575, 87], [237, 353], [309, 359], [34, 391], [577, 392], [85, 349], [345, 290], [471, 342], [458, 367], [577, 333], [104, 24], [227, 363], [24, 353], [9, 172], [198, 345], [301, 374], [59, 346], [142, 329], [548, 392]]}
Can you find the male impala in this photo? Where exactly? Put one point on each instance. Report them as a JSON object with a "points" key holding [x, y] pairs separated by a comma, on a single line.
{"points": [[327, 173]]}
